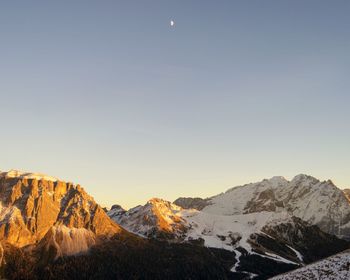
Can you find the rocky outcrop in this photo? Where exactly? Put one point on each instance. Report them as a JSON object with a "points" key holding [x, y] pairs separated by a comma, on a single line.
{"points": [[116, 212], [192, 203]]}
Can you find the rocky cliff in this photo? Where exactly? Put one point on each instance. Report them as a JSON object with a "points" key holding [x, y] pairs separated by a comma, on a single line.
{"points": [[36, 208]]}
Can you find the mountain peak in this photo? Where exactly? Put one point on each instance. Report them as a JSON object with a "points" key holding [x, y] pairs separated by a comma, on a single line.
{"points": [[155, 200], [159, 202], [304, 178], [13, 173], [157, 218]]}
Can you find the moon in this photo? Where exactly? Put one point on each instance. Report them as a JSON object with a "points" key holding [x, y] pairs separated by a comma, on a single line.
{"points": [[172, 23]]}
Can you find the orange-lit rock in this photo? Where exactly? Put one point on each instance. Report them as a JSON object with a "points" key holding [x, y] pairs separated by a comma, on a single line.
{"points": [[31, 206]]}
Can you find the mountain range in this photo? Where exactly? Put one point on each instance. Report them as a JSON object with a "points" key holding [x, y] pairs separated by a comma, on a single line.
{"points": [[51, 229]]}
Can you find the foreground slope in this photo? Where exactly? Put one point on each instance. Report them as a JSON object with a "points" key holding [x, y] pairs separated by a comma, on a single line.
{"points": [[336, 267], [130, 258]]}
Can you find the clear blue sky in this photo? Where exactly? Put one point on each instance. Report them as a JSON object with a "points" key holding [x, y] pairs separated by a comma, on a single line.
{"points": [[107, 94]]}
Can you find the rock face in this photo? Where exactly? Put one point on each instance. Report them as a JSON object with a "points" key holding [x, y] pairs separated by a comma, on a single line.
{"points": [[35, 208], [115, 212], [192, 203], [319, 203], [307, 241]]}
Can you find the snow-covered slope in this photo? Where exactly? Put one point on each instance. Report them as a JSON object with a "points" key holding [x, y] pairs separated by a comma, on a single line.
{"points": [[336, 267], [160, 218], [319, 203]]}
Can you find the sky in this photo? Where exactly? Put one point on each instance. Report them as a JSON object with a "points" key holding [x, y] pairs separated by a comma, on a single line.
{"points": [[108, 95]]}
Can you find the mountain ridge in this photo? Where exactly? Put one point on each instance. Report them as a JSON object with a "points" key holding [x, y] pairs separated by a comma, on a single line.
{"points": [[257, 221], [56, 223], [300, 196]]}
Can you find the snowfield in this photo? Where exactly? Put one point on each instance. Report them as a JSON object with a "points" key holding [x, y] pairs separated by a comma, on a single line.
{"points": [[231, 232]]}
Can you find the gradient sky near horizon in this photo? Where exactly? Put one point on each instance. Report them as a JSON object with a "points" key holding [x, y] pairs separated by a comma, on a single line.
{"points": [[107, 94]]}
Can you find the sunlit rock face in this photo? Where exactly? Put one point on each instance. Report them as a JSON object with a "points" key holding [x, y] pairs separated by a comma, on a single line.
{"points": [[33, 204]]}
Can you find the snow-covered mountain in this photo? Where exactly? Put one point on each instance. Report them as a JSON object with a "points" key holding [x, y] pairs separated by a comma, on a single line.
{"points": [[336, 267], [161, 219], [157, 218], [276, 220], [319, 203]]}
